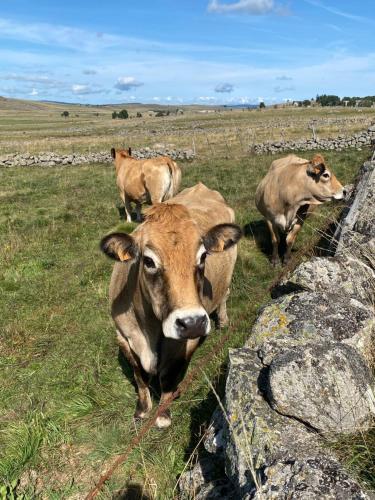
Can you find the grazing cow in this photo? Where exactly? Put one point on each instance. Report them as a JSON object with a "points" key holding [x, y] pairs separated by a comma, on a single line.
{"points": [[290, 191], [174, 271], [145, 181]]}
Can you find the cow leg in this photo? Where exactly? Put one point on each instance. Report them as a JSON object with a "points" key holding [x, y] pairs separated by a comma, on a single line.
{"points": [[275, 238], [128, 208], [290, 239], [138, 210], [301, 215], [144, 403], [175, 358]]}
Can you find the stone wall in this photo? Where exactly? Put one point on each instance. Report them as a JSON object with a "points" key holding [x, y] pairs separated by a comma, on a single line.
{"points": [[303, 374], [52, 159], [365, 138]]}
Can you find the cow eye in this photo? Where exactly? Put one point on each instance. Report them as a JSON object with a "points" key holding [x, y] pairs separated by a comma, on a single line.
{"points": [[325, 175], [202, 259], [149, 263]]}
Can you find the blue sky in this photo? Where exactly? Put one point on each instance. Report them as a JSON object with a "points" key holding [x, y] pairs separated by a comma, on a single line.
{"points": [[186, 51]]}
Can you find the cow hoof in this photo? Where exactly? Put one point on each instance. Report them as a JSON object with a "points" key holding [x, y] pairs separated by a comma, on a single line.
{"points": [[163, 421], [142, 411], [138, 414], [275, 262]]}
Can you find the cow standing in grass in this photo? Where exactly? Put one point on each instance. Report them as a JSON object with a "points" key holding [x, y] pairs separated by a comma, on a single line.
{"points": [[145, 181], [174, 271], [292, 189]]}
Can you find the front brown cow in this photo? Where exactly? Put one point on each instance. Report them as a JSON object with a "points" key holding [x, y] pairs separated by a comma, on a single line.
{"points": [[292, 189], [145, 181], [174, 270]]}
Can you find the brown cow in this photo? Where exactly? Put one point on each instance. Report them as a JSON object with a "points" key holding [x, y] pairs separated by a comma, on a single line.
{"points": [[145, 181], [292, 189], [174, 271]]}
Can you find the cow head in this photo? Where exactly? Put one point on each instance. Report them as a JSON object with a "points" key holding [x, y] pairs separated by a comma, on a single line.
{"points": [[324, 185], [125, 153], [171, 252]]}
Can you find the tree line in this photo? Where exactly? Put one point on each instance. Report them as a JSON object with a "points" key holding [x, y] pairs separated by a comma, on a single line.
{"points": [[334, 100]]}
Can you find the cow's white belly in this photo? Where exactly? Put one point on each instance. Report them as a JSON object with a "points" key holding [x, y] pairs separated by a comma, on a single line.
{"points": [[280, 221]]}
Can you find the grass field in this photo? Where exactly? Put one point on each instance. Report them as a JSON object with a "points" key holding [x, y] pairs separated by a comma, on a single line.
{"points": [[39, 127], [66, 401]]}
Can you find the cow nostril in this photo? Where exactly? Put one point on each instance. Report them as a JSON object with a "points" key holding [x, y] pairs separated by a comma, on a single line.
{"points": [[191, 326], [181, 323], [344, 192]]}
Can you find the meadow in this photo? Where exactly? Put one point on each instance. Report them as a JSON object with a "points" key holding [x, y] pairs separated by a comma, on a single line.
{"points": [[67, 398]]}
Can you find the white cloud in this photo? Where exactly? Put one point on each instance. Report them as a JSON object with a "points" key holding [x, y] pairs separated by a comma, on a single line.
{"points": [[79, 89], [206, 98], [254, 7], [224, 87], [279, 89], [127, 83], [34, 92]]}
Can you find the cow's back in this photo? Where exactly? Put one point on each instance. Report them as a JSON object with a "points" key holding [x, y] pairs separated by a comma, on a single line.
{"points": [[206, 206]]}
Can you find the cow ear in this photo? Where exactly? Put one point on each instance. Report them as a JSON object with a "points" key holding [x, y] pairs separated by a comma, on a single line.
{"points": [[119, 246], [113, 153], [315, 169], [222, 237]]}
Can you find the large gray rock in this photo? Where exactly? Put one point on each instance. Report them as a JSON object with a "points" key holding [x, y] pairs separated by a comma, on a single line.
{"points": [[313, 478], [344, 275], [301, 317], [326, 385], [270, 455]]}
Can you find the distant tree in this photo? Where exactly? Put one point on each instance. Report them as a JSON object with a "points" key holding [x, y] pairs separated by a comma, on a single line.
{"points": [[306, 102], [328, 100], [114, 115], [262, 105], [123, 114], [65, 114], [139, 115], [159, 113]]}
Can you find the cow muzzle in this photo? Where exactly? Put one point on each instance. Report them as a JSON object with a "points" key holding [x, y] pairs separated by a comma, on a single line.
{"points": [[340, 195], [183, 324]]}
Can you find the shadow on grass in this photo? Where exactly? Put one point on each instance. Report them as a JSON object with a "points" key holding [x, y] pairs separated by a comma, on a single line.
{"points": [[131, 492], [259, 232], [200, 420]]}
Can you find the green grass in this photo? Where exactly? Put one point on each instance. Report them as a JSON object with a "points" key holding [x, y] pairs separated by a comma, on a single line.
{"points": [[66, 406]]}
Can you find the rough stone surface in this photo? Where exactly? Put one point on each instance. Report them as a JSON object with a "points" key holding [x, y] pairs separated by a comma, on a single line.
{"points": [[205, 478], [344, 275], [308, 479], [325, 385]]}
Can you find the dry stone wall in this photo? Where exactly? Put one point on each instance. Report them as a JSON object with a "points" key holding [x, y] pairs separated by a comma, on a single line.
{"points": [[303, 374], [362, 139], [53, 159]]}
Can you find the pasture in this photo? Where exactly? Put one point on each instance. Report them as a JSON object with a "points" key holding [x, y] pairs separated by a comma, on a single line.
{"points": [[67, 398]]}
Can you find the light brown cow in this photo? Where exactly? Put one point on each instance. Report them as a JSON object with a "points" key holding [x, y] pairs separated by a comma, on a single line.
{"points": [[292, 189], [174, 271], [145, 181]]}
